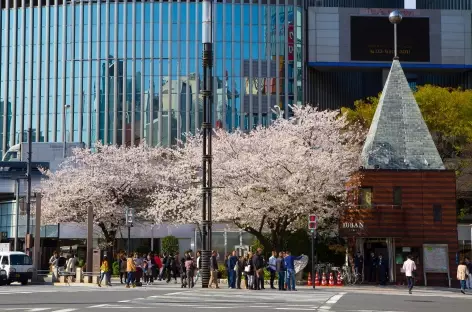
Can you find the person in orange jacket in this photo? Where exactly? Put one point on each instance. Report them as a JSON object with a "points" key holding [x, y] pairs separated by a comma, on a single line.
{"points": [[131, 270], [103, 270]]}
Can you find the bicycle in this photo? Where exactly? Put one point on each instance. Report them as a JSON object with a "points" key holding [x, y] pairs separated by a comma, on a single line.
{"points": [[349, 277]]}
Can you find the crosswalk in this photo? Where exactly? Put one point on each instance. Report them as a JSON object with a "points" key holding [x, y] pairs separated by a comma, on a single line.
{"points": [[224, 299]]}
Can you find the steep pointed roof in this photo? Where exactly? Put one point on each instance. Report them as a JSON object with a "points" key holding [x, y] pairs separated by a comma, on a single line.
{"points": [[398, 137]]}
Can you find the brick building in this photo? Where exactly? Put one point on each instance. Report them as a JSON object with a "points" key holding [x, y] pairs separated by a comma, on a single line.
{"points": [[406, 202]]}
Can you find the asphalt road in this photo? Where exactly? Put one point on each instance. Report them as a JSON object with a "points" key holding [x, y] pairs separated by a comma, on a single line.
{"points": [[165, 297]]}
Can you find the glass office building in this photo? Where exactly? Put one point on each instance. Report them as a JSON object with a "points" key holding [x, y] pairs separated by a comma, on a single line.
{"points": [[124, 72]]}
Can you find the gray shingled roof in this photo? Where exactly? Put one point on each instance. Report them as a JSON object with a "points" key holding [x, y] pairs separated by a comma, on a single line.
{"points": [[398, 137]]}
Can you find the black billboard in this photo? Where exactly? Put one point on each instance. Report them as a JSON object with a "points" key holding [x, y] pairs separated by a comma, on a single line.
{"points": [[372, 39]]}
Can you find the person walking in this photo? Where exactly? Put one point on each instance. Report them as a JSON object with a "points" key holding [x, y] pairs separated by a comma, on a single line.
{"points": [[468, 264], [72, 264], [281, 271], [131, 270], [273, 268], [290, 265], [409, 267], [462, 275], [199, 265], [213, 270], [103, 271]]}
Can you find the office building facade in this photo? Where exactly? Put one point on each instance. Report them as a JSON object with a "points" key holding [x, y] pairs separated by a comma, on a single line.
{"points": [[127, 71], [350, 47]]}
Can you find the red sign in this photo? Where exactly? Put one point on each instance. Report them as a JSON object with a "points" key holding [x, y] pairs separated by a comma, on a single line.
{"points": [[312, 222], [291, 42]]}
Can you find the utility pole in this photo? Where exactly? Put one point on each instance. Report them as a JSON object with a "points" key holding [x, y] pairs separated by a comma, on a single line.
{"points": [[312, 226], [28, 193], [28, 177], [207, 93], [64, 123], [89, 260], [37, 237], [17, 214]]}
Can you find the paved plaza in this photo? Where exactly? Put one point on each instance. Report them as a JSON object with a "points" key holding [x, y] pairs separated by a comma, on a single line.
{"points": [[164, 297]]}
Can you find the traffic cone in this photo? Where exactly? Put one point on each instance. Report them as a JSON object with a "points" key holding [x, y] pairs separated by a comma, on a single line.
{"points": [[309, 283], [317, 279], [323, 279], [331, 279], [339, 280]]}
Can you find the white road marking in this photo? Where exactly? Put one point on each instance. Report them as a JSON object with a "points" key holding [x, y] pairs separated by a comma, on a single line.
{"points": [[65, 310], [97, 306], [123, 301], [327, 306], [39, 309], [177, 293]]}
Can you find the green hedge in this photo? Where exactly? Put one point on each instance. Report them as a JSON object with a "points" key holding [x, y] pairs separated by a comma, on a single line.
{"points": [[170, 245], [116, 268]]}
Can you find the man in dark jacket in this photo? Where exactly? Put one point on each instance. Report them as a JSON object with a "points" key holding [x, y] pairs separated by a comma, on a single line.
{"points": [[258, 263], [372, 268], [213, 270], [232, 261], [382, 265]]}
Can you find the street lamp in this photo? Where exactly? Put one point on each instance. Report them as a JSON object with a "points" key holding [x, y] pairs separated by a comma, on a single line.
{"points": [[129, 215], [395, 18], [64, 124], [207, 93]]}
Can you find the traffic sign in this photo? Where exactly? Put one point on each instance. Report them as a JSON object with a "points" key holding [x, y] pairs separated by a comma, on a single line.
{"points": [[312, 222], [129, 214]]}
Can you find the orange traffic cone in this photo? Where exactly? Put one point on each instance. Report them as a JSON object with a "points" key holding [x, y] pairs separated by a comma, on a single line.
{"points": [[310, 283], [339, 280], [317, 279], [323, 279], [331, 279]]}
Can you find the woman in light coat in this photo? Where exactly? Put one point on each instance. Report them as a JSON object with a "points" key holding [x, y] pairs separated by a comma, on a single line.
{"points": [[462, 275]]}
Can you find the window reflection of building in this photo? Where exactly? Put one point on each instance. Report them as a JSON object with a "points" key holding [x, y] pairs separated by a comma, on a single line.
{"points": [[106, 59]]}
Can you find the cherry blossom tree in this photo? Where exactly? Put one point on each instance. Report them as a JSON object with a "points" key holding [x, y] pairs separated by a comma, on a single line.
{"points": [[268, 180], [109, 179]]}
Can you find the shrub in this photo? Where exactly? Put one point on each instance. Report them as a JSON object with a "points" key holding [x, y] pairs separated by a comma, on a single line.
{"points": [[170, 245], [222, 272], [116, 268]]}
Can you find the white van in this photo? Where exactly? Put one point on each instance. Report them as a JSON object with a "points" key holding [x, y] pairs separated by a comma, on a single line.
{"points": [[18, 266]]}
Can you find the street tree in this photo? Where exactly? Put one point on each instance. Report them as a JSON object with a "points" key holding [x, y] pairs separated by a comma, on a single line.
{"points": [[108, 179], [268, 180]]}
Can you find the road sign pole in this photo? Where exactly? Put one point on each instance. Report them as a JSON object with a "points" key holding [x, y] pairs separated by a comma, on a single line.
{"points": [[313, 258]]}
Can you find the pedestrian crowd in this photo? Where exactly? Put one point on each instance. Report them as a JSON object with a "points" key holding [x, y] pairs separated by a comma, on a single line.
{"points": [[186, 269]]}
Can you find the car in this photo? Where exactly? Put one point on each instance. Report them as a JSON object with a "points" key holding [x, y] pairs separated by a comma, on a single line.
{"points": [[17, 265], [3, 277]]}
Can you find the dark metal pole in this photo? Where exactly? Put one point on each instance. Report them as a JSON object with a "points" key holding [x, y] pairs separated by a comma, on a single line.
{"points": [[17, 214], [129, 241], [89, 260], [207, 93], [313, 260], [28, 175], [37, 237]]}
